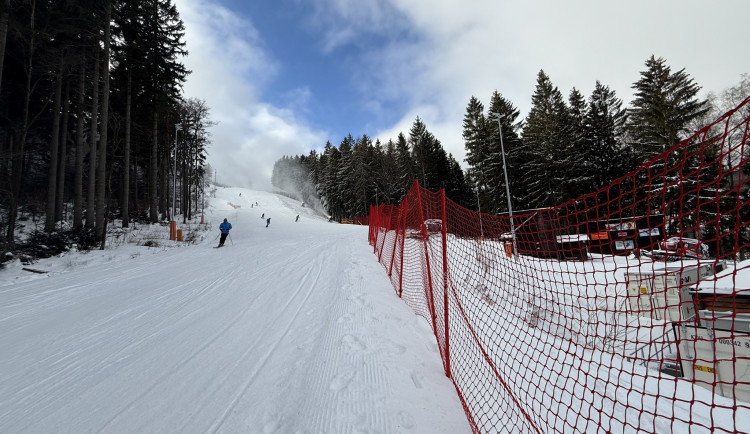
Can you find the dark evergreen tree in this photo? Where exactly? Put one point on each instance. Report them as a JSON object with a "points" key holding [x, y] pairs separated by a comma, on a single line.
{"points": [[407, 171], [345, 178], [477, 143], [391, 193], [362, 177], [52, 93], [457, 188], [547, 139], [578, 177], [429, 157], [605, 156], [665, 103], [504, 156]]}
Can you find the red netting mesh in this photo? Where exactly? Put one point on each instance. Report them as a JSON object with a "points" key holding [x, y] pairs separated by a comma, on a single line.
{"points": [[624, 310]]}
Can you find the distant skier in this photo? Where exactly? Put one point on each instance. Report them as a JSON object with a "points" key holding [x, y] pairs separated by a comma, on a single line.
{"points": [[224, 228], [263, 215], [268, 222], [297, 219]]}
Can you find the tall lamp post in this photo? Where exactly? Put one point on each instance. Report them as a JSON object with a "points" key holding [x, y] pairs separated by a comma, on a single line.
{"points": [[507, 185], [177, 127]]}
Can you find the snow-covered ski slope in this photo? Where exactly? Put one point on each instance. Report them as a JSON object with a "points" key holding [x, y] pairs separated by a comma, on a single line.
{"points": [[293, 328]]}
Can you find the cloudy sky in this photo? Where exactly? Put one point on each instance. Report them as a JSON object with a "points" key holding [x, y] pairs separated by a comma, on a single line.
{"points": [[282, 77]]}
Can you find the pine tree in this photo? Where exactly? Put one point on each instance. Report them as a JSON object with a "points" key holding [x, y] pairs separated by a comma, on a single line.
{"points": [[504, 156], [345, 178], [578, 177], [429, 157], [457, 188], [405, 165], [665, 103], [605, 156], [419, 143], [389, 175], [361, 181], [546, 137], [664, 106], [477, 144]]}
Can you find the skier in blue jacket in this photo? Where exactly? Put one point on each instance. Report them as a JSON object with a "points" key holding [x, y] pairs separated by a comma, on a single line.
{"points": [[224, 228]]}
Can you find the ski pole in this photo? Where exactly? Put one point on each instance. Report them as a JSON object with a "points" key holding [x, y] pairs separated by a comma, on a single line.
{"points": [[230, 239]]}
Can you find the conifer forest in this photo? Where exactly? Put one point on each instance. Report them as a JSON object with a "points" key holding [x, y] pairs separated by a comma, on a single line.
{"points": [[94, 127], [564, 148]]}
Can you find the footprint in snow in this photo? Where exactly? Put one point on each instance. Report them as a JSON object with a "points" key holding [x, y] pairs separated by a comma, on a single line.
{"points": [[357, 299], [417, 379], [341, 380], [394, 349], [353, 343]]}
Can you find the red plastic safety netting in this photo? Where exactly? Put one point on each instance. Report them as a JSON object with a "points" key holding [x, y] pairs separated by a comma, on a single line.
{"points": [[624, 310]]}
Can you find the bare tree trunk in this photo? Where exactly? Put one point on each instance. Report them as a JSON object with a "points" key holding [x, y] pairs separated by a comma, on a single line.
{"points": [[188, 179], [90, 193], [19, 144], [63, 155], [153, 181], [164, 184], [183, 181], [3, 36], [126, 162], [136, 196], [78, 181], [49, 222], [102, 173]]}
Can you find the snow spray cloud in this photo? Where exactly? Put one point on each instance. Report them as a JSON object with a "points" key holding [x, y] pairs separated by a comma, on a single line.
{"points": [[292, 177]]}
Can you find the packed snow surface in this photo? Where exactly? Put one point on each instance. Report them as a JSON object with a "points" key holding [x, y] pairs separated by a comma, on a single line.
{"points": [[290, 328]]}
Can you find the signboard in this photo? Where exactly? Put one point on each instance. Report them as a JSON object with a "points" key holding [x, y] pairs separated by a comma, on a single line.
{"points": [[601, 235], [624, 245], [718, 360], [648, 232], [625, 226]]}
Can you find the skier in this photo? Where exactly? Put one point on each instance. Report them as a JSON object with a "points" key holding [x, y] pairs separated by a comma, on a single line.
{"points": [[268, 222], [263, 215], [224, 228], [297, 219]]}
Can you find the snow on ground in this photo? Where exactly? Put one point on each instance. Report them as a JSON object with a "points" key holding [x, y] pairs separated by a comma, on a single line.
{"points": [[293, 328]]}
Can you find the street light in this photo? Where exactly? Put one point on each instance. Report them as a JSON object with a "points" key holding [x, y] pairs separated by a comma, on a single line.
{"points": [[507, 185], [177, 127]]}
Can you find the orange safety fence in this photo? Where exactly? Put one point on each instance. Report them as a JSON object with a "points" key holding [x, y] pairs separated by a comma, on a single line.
{"points": [[626, 310]]}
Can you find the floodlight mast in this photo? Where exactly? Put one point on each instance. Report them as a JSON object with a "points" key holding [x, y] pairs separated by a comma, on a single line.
{"points": [[507, 185], [177, 127]]}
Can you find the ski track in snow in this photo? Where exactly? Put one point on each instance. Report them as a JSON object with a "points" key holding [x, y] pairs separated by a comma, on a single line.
{"points": [[306, 286], [292, 328]]}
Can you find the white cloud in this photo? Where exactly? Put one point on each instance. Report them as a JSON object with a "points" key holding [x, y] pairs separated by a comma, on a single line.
{"points": [[435, 54], [472, 48], [230, 65]]}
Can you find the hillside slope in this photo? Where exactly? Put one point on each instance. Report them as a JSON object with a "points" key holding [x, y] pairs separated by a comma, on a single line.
{"points": [[288, 328]]}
